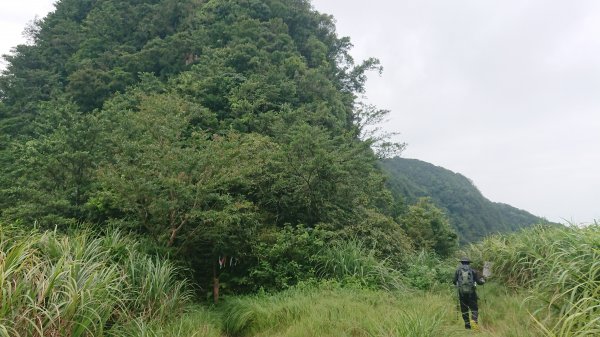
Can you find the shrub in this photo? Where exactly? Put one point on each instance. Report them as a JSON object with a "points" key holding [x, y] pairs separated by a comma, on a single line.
{"points": [[426, 270], [351, 262], [285, 257]]}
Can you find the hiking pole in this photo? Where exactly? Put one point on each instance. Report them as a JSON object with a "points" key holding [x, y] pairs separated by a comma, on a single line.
{"points": [[487, 273], [457, 304]]}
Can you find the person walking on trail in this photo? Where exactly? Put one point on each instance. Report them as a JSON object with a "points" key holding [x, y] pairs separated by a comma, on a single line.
{"points": [[465, 280]]}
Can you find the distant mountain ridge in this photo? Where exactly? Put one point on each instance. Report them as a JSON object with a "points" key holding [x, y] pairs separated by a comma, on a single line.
{"points": [[470, 213]]}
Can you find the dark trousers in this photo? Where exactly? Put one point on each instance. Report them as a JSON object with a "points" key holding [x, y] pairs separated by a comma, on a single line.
{"points": [[468, 302]]}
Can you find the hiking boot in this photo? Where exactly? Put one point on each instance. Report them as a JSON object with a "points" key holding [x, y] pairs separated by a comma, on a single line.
{"points": [[475, 326]]}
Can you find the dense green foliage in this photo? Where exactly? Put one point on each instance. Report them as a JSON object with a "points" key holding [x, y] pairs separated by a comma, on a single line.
{"points": [[428, 227], [210, 127], [560, 266], [470, 213]]}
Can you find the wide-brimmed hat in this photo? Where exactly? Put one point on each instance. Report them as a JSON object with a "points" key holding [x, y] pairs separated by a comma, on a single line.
{"points": [[464, 259]]}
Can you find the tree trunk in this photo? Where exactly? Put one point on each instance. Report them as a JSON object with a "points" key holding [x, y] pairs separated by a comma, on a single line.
{"points": [[215, 285]]}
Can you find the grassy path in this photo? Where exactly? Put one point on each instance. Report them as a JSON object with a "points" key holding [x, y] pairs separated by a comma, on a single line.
{"points": [[355, 313]]}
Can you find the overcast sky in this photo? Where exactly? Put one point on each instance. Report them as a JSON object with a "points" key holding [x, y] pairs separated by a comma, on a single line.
{"points": [[14, 16], [506, 93]]}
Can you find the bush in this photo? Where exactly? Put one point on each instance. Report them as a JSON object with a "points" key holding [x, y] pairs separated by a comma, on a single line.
{"points": [[292, 255], [426, 270], [349, 262], [380, 233], [285, 257]]}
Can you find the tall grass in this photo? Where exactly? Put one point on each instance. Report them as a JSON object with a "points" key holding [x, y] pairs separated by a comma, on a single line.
{"points": [[153, 290], [197, 322], [80, 285], [352, 262], [561, 267], [330, 310]]}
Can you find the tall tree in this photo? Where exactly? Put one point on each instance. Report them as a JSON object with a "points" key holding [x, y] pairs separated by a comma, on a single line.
{"points": [[429, 228]]}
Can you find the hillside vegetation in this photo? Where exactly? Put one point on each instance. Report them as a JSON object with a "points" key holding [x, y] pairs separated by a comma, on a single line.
{"points": [[214, 128], [471, 214], [226, 133], [202, 168], [545, 283]]}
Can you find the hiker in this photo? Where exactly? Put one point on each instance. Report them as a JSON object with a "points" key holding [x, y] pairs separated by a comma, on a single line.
{"points": [[465, 280]]}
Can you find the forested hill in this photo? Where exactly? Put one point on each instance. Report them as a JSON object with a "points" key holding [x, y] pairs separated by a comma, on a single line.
{"points": [[470, 213], [211, 129]]}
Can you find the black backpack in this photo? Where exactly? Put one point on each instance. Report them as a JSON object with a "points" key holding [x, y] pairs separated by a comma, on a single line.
{"points": [[466, 280]]}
